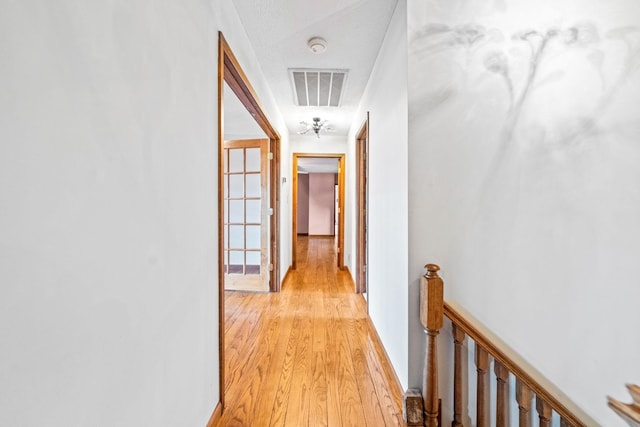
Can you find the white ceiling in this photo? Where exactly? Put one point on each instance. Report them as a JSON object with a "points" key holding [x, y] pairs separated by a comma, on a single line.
{"points": [[317, 165], [279, 31]]}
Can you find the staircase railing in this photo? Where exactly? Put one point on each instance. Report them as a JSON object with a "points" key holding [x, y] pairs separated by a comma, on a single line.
{"points": [[629, 412], [529, 383]]}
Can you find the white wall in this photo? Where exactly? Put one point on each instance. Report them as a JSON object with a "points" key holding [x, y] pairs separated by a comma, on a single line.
{"points": [[303, 204], [386, 100], [108, 210], [526, 191], [321, 198], [334, 144]]}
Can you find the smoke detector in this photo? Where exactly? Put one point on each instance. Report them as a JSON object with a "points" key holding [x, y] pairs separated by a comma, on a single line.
{"points": [[317, 45]]}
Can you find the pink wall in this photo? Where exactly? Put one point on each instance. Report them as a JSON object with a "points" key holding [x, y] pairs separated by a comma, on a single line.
{"points": [[303, 204], [321, 203]]}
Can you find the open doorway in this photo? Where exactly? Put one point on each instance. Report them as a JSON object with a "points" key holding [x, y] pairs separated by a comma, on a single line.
{"points": [[255, 167], [318, 200]]}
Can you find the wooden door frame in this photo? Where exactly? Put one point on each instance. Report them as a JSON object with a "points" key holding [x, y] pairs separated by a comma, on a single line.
{"points": [[294, 208], [230, 71], [362, 185]]}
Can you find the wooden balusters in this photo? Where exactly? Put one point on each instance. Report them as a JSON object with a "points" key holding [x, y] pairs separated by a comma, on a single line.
{"points": [[629, 412], [482, 397], [544, 412], [458, 338], [523, 397], [431, 316], [502, 394], [529, 382], [565, 423]]}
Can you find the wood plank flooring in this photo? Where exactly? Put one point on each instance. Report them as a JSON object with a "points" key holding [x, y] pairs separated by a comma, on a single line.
{"points": [[308, 355]]}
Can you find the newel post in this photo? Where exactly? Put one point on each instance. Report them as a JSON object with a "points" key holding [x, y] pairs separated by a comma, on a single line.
{"points": [[431, 316]]}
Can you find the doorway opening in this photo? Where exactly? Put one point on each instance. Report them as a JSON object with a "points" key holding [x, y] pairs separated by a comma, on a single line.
{"points": [[246, 212], [318, 200], [232, 77]]}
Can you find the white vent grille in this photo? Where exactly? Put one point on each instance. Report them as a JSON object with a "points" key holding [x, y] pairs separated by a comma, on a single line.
{"points": [[318, 88]]}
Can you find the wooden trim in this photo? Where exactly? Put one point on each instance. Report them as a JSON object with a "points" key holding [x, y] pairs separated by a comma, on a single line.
{"points": [[388, 367], [294, 211], [341, 203], [362, 179], [215, 416], [274, 223], [222, 51], [341, 183], [515, 364], [287, 274], [346, 268], [230, 72]]}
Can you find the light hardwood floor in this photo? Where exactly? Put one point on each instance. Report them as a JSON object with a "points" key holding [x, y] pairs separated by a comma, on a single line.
{"points": [[308, 355]]}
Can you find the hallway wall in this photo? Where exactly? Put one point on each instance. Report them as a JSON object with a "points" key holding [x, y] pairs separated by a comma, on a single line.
{"points": [[523, 185], [386, 99], [321, 204], [303, 203], [108, 171]]}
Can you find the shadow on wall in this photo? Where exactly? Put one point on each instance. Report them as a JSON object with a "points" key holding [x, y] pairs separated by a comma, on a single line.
{"points": [[527, 61]]}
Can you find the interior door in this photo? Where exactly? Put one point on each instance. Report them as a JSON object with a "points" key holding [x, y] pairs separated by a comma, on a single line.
{"points": [[246, 232]]}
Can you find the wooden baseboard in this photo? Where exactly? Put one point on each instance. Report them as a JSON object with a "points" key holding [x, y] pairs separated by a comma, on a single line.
{"points": [[346, 268], [286, 276], [392, 372], [215, 417]]}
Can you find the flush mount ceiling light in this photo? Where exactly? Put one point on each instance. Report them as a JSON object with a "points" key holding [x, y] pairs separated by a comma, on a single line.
{"points": [[315, 127], [317, 45]]}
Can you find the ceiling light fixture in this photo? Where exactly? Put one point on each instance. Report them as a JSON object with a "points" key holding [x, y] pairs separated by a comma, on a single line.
{"points": [[315, 127], [317, 45]]}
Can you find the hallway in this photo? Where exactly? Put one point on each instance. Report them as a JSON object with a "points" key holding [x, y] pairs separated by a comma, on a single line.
{"points": [[307, 355]]}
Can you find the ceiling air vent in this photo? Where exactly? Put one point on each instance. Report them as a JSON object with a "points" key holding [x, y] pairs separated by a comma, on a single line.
{"points": [[318, 88]]}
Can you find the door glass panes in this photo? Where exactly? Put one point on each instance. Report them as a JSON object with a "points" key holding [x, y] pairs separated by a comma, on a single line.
{"points": [[253, 160], [253, 211], [236, 262], [236, 211], [243, 210], [236, 160], [236, 237], [253, 237], [236, 186], [253, 185]]}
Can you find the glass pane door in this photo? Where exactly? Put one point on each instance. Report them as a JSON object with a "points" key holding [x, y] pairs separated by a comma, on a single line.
{"points": [[245, 219]]}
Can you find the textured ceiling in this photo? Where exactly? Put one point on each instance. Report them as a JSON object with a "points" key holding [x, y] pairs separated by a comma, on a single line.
{"points": [[279, 30]]}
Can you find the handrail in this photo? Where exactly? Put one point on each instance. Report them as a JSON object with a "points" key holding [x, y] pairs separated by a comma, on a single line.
{"points": [[530, 382], [517, 365], [629, 412]]}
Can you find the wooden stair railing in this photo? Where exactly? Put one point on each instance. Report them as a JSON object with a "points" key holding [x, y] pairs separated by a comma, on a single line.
{"points": [[629, 412], [529, 383]]}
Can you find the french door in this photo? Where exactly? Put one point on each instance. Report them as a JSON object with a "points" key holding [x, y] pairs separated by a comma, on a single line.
{"points": [[246, 227]]}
